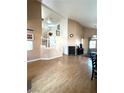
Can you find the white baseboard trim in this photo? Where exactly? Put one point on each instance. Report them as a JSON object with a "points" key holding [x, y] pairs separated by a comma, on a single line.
{"points": [[44, 58], [34, 60], [51, 58]]}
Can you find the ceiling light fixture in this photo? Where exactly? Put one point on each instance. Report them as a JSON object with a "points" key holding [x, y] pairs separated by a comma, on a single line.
{"points": [[49, 21]]}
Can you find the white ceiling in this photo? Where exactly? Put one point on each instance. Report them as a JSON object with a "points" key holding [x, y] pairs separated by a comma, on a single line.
{"points": [[50, 18], [83, 11], [48, 14]]}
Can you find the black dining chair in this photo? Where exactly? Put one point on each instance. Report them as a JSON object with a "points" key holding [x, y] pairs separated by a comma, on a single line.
{"points": [[94, 66]]}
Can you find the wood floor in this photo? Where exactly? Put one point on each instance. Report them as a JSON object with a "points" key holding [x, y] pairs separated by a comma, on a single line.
{"points": [[68, 74]]}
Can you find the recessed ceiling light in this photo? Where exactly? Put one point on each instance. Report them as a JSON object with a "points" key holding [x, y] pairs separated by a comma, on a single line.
{"points": [[49, 22]]}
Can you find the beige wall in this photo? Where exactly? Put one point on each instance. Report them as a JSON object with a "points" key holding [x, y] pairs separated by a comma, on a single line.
{"points": [[88, 33], [77, 30], [34, 22], [85, 45]]}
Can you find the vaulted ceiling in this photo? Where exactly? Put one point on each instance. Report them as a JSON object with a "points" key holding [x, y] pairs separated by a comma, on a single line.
{"points": [[83, 11]]}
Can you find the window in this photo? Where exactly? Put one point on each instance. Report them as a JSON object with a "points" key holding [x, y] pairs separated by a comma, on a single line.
{"points": [[92, 44], [29, 45]]}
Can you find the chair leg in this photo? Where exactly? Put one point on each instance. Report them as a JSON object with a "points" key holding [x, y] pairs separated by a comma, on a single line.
{"points": [[92, 75], [91, 78]]}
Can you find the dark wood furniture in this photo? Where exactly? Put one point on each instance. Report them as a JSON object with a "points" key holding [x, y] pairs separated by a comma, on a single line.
{"points": [[93, 57], [80, 51], [71, 50]]}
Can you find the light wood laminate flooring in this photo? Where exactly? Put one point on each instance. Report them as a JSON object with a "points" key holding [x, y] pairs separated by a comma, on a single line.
{"points": [[67, 74]]}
